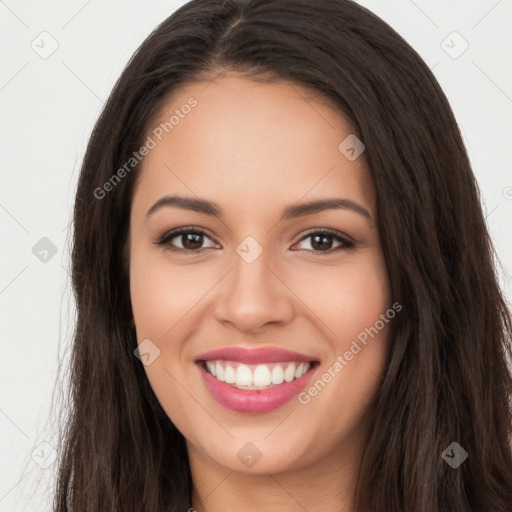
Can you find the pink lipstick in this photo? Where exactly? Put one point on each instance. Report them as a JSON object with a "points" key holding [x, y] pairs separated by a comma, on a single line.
{"points": [[257, 380]]}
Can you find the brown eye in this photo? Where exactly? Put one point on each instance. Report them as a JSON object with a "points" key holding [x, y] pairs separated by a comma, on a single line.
{"points": [[322, 241], [191, 240]]}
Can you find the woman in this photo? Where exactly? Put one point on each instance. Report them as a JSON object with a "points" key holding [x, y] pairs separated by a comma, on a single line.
{"points": [[285, 287]]}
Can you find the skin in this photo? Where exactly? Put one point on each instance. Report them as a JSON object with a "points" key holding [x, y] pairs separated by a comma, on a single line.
{"points": [[254, 148]]}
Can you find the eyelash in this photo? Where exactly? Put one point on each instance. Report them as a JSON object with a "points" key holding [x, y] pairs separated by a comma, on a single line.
{"points": [[164, 241]]}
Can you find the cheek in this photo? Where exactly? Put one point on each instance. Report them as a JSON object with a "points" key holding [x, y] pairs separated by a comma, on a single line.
{"points": [[349, 298], [366, 297], [161, 297], [360, 300], [163, 294]]}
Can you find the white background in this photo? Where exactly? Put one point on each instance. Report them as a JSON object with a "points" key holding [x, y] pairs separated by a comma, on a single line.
{"points": [[47, 110]]}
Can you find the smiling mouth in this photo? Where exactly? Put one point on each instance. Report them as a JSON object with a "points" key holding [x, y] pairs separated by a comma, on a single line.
{"points": [[256, 376]]}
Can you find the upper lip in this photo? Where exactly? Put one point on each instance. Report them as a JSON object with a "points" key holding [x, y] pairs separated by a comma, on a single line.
{"points": [[254, 356]]}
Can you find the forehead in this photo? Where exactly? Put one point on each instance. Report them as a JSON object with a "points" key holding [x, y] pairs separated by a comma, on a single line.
{"points": [[252, 142]]}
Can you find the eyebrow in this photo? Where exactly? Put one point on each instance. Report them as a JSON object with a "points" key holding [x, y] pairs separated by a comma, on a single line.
{"points": [[297, 210]]}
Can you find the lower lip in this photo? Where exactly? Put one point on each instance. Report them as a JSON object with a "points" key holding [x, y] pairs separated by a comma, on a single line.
{"points": [[257, 400]]}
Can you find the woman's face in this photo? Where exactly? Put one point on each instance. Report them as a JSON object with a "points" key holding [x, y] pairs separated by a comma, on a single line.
{"points": [[261, 277]]}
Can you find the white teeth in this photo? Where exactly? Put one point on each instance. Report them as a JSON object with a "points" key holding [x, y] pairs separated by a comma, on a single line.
{"points": [[219, 372], [229, 375], [243, 376], [277, 375], [301, 370], [212, 368], [289, 373], [260, 378]]}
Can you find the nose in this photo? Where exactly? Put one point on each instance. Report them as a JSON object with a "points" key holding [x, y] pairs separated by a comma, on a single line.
{"points": [[254, 295]]}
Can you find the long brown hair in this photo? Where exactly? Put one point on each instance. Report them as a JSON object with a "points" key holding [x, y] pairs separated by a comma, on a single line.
{"points": [[447, 378]]}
